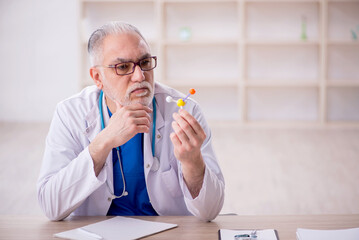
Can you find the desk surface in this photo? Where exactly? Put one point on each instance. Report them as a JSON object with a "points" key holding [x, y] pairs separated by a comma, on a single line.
{"points": [[39, 227]]}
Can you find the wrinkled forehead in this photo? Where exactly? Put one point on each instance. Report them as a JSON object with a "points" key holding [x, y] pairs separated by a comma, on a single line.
{"points": [[129, 46]]}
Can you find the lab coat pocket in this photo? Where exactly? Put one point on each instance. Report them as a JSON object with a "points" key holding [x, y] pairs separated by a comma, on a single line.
{"points": [[170, 179]]}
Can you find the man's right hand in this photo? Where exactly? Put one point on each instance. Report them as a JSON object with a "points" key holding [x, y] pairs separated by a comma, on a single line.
{"points": [[124, 124]]}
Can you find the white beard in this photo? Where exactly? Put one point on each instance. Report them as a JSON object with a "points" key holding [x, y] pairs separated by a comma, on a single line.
{"points": [[126, 100]]}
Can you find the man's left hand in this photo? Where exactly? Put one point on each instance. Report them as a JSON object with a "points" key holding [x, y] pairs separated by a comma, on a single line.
{"points": [[187, 139]]}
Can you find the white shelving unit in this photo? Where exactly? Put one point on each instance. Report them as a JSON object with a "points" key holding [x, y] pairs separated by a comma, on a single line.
{"points": [[251, 61], [342, 75]]}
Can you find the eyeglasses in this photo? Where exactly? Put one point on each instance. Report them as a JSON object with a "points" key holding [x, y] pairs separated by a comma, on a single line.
{"points": [[126, 68]]}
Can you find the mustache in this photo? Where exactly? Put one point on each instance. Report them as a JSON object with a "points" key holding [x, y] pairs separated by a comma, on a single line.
{"points": [[138, 85]]}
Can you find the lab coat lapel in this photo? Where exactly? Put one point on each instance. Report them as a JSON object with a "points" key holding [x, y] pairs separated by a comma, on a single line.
{"points": [[147, 144], [93, 121]]}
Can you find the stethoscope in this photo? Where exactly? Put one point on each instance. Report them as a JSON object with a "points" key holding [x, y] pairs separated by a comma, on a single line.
{"points": [[155, 159]]}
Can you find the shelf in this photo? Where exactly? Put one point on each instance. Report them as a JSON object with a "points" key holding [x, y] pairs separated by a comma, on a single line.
{"points": [[282, 62], [343, 62], [344, 83], [248, 59], [283, 104], [282, 1], [216, 83], [343, 104], [200, 42], [343, 17], [282, 22], [217, 103], [198, 1], [282, 43], [275, 84], [345, 43], [342, 1], [182, 22], [201, 62]]}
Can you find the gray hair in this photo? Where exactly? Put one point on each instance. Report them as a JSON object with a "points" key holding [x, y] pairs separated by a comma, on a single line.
{"points": [[111, 28]]}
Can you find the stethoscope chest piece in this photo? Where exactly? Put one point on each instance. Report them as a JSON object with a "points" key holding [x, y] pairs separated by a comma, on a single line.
{"points": [[155, 164]]}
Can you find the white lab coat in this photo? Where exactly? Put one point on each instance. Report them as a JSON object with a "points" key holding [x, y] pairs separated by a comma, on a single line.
{"points": [[68, 185]]}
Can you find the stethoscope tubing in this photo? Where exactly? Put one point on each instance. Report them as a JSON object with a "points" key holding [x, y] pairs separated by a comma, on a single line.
{"points": [[124, 192]]}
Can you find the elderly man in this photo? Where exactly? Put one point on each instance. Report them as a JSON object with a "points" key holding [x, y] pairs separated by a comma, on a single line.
{"points": [[118, 148]]}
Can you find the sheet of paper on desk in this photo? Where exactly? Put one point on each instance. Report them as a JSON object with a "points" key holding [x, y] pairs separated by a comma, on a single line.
{"points": [[265, 234], [309, 234], [119, 228]]}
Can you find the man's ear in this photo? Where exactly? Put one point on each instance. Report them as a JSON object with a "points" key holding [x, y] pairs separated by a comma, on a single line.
{"points": [[96, 77]]}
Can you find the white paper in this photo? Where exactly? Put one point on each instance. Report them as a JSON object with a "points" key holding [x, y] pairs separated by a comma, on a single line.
{"points": [[119, 228], [309, 234], [266, 234]]}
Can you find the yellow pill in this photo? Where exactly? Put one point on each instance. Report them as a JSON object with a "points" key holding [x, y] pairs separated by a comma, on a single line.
{"points": [[180, 103]]}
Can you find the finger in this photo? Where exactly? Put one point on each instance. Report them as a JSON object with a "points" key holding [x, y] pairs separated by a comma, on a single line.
{"points": [[179, 132], [184, 125], [142, 129], [138, 125], [197, 128], [141, 121], [139, 113], [139, 106], [138, 129], [175, 140], [133, 114]]}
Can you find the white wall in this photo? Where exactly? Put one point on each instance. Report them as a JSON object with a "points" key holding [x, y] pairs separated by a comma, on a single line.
{"points": [[38, 57]]}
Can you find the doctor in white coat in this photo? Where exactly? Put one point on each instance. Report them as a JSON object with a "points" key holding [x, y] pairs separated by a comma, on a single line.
{"points": [[181, 173]]}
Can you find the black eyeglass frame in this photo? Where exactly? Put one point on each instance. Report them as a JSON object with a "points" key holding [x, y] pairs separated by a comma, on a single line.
{"points": [[134, 65]]}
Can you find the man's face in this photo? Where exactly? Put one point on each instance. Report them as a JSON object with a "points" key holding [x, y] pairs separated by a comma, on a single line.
{"points": [[128, 89]]}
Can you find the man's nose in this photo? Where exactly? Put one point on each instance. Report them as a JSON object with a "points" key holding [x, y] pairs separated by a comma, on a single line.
{"points": [[138, 75]]}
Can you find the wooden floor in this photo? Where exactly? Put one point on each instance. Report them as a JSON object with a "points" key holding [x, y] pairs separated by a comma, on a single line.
{"points": [[267, 171]]}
